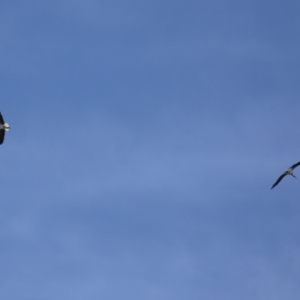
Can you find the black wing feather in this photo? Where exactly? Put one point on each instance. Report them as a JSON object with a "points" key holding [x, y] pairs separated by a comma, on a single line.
{"points": [[278, 180], [2, 133], [295, 165], [1, 119]]}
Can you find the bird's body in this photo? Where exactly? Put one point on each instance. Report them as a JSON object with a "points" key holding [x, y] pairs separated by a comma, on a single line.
{"points": [[289, 171], [3, 128]]}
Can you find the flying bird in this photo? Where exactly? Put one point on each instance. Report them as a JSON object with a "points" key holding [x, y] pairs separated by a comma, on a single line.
{"points": [[3, 128], [289, 171]]}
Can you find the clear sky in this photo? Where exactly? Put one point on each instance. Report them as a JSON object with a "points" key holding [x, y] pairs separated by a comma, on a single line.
{"points": [[145, 137]]}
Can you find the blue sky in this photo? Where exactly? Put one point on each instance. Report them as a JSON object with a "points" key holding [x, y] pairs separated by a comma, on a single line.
{"points": [[145, 137]]}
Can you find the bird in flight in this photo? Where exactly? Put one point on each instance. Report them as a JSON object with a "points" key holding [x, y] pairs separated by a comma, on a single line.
{"points": [[289, 171], [3, 127]]}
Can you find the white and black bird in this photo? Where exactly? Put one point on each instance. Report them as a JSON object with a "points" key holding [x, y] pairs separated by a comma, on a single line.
{"points": [[3, 128], [289, 171]]}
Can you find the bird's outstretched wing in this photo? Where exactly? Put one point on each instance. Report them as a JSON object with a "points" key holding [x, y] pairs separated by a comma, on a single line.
{"points": [[1, 119], [278, 180], [2, 133], [295, 165]]}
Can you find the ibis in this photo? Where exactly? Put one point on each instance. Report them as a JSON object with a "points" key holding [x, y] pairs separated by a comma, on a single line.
{"points": [[289, 171], [3, 128]]}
